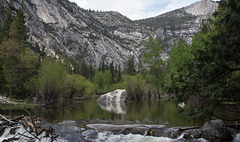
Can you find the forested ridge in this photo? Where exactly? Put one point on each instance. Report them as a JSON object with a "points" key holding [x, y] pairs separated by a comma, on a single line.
{"points": [[205, 74]]}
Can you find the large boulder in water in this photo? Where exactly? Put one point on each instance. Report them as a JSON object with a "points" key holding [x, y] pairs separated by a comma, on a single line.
{"points": [[114, 101], [115, 96], [216, 131]]}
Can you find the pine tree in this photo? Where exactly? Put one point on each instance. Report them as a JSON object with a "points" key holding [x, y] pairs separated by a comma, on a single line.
{"points": [[21, 30], [116, 70], [4, 30], [103, 66], [84, 70], [2, 79], [112, 72], [18, 60], [130, 66], [100, 66], [119, 75], [14, 68], [91, 72], [152, 58], [106, 66]]}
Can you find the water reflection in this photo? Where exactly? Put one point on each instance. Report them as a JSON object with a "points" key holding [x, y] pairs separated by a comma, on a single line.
{"points": [[157, 112], [115, 107]]}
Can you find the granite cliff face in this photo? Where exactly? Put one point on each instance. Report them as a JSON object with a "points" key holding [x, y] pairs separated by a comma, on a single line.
{"points": [[203, 7], [59, 27]]}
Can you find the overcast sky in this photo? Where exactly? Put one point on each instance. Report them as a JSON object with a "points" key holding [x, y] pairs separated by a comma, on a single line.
{"points": [[135, 9]]}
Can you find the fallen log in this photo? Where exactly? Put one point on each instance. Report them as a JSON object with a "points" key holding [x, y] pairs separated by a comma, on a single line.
{"points": [[188, 128]]}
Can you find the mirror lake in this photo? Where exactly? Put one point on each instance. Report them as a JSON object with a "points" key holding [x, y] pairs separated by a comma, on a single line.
{"points": [[162, 112]]}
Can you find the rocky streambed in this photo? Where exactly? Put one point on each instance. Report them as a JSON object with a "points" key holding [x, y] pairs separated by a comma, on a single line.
{"points": [[212, 131]]}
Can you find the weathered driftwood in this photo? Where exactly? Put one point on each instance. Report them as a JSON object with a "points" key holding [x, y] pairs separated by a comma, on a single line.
{"points": [[32, 126], [5, 119]]}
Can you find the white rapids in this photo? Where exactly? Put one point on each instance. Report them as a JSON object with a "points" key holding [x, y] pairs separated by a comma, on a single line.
{"points": [[109, 137]]}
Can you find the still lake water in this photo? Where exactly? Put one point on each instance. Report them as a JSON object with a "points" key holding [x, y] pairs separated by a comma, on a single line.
{"points": [[88, 111]]}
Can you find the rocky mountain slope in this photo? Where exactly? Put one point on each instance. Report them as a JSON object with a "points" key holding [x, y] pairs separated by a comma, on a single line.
{"points": [[203, 7], [182, 23], [61, 28]]}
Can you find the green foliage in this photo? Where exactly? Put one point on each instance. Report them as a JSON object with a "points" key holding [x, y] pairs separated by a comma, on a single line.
{"points": [[77, 86], [208, 71], [116, 75], [84, 70], [130, 69], [136, 87], [103, 81], [12, 75], [19, 62], [112, 71], [179, 56], [153, 51], [119, 85], [102, 66], [21, 28], [17, 107], [119, 74], [219, 61], [152, 58], [51, 81], [2, 79]]}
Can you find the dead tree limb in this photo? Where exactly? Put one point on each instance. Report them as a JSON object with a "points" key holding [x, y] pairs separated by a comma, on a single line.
{"points": [[6, 119], [33, 123]]}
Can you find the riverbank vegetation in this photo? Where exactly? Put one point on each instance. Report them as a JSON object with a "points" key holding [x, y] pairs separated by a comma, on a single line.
{"points": [[205, 73], [208, 70]]}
